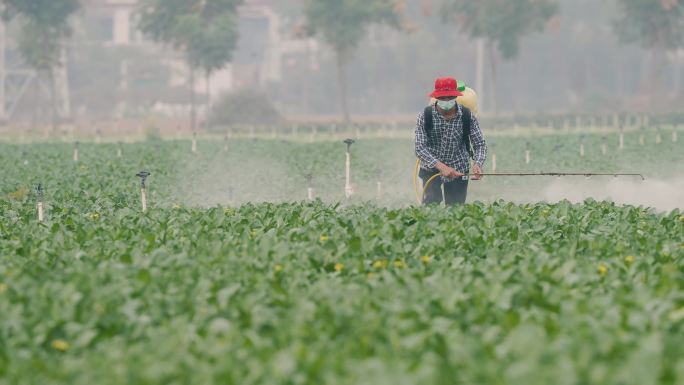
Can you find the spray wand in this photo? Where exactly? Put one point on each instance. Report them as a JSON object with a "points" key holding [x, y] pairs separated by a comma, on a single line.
{"points": [[419, 196]]}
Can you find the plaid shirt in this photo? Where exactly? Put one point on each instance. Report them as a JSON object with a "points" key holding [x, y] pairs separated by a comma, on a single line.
{"points": [[446, 142]]}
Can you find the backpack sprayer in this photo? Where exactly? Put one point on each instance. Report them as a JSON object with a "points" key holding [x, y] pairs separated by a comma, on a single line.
{"points": [[469, 101]]}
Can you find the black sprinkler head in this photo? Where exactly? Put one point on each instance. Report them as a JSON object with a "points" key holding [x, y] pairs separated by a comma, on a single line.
{"points": [[143, 176], [349, 142], [39, 191]]}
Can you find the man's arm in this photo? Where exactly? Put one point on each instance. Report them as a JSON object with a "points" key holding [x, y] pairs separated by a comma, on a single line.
{"points": [[422, 151], [478, 142]]}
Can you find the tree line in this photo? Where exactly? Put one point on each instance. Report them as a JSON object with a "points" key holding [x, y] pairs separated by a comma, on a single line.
{"points": [[206, 31]]}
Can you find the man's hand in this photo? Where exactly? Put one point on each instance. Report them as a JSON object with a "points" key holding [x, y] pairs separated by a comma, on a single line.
{"points": [[476, 172], [447, 171]]}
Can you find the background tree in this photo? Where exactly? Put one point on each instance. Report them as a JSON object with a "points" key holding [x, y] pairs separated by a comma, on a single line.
{"points": [[657, 26], [45, 26], [501, 24], [343, 24], [205, 31]]}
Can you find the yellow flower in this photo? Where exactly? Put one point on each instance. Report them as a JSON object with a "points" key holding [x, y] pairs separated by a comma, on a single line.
{"points": [[399, 264], [278, 268], [602, 269], [176, 206], [629, 259], [323, 238], [228, 211], [3, 288], [380, 264], [339, 267], [60, 345], [94, 216], [425, 258], [252, 233]]}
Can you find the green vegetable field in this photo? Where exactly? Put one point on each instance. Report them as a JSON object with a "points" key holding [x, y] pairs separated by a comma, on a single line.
{"points": [[232, 277]]}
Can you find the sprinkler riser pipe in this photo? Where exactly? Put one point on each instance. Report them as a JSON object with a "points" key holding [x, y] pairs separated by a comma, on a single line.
{"points": [[379, 190], [622, 141], [310, 193], [75, 154], [582, 150], [143, 199], [674, 136], [347, 176], [604, 149], [658, 139], [527, 157], [493, 162], [641, 139], [39, 206]]}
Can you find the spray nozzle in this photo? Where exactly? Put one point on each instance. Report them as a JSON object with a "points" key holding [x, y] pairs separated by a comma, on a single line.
{"points": [[143, 176], [309, 179]]}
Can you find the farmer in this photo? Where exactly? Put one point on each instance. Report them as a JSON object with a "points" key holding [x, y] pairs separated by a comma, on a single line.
{"points": [[447, 136]]}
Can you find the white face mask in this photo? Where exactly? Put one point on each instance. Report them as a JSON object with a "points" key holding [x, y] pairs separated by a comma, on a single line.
{"points": [[446, 105]]}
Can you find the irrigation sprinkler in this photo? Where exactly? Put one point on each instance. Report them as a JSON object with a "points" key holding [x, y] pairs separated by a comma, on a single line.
{"points": [[76, 152], [604, 147], [194, 141], [674, 135], [348, 191], [641, 136], [39, 203], [312, 137], [119, 150], [527, 153], [622, 138], [143, 193], [493, 158], [24, 156], [98, 136], [581, 146], [309, 187], [225, 143], [378, 175]]}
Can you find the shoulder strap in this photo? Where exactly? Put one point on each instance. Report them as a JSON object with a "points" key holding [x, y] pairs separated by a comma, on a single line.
{"points": [[429, 124], [466, 119]]}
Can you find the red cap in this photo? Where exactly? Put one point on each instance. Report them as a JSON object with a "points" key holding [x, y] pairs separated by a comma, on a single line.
{"points": [[445, 87]]}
